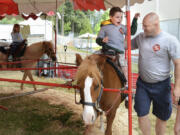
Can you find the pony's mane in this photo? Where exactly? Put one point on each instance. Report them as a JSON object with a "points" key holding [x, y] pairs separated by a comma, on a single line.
{"points": [[88, 67]]}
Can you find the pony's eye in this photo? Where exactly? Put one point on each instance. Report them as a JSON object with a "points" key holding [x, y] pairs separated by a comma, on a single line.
{"points": [[96, 87]]}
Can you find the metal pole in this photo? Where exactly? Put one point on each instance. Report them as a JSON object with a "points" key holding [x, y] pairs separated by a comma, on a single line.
{"points": [[129, 65], [56, 38]]}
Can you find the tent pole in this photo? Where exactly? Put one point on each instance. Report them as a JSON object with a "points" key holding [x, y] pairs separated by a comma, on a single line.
{"points": [[129, 65], [56, 31]]}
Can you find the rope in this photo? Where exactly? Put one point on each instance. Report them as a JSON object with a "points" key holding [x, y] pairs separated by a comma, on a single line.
{"points": [[23, 94], [48, 68], [4, 108], [24, 61]]}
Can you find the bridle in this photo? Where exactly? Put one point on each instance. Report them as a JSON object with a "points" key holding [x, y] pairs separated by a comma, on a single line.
{"points": [[96, 104], [48, 50]]}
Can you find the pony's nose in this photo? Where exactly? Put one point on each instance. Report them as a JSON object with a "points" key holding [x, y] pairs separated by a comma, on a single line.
{"points": [[54, 58], [89, 120], [89, 117]]}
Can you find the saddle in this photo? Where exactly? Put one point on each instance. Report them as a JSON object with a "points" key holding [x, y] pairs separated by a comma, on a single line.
{"points": [[116, 65], [17, 49], [4, 49], [113, 60]]}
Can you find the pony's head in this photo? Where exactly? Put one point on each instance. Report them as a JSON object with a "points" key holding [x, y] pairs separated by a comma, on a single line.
{"points": [[49, 49], [89, 80]]}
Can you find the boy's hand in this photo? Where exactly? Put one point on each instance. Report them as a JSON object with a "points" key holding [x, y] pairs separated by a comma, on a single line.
{"points": [[121, 30], [137, 15], [105, 39]]}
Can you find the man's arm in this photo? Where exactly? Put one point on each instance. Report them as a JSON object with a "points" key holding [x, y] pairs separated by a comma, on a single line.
{"points": [[177, 78], [134, 24]]}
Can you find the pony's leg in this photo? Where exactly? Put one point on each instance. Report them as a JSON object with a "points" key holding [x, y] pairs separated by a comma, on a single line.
{"points": [[110, 118], [87, 130], [24, 78], [31, 78]]}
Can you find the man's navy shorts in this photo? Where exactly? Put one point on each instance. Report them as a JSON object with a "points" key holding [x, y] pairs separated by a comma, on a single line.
{"points": [[158, 93]]}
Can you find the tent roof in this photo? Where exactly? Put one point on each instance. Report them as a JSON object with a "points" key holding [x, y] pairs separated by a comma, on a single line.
{"points": [[36, 6], [120, 3], [8, 7], [101, 4]]}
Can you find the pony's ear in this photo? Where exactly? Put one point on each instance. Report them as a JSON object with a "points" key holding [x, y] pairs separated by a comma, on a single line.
{"points": [[101, 61], [78, 59]]}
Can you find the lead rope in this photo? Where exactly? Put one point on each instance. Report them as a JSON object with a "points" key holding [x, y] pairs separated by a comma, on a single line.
{"points": [[117, 98], [102, 122]]}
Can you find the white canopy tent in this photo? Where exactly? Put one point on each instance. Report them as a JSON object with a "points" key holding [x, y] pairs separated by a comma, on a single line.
{"points": [[37, 6], [120, 3], [87, 35]]}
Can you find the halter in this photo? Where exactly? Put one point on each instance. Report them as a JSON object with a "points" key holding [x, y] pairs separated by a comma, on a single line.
{"points": [[96, 104], [46, 50]]}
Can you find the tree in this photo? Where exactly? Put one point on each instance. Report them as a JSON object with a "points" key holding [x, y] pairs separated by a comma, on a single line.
{"points": [[10, 21], [103, 17], [75, 21]]}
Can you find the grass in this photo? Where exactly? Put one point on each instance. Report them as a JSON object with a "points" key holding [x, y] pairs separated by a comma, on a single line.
{"points": [[169, 128], [134, 68], [33, 116], [78, 50]]}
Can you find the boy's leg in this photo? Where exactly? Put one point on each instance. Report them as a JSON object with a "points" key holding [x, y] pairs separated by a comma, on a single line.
{"points": [[177, 123], [124, 68], [123, 65], [160, 127]]}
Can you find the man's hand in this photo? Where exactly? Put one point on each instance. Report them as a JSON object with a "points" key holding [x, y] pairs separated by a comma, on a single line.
{"points": [[176, 94], [105, 39], [137, 15], [176, 91]]}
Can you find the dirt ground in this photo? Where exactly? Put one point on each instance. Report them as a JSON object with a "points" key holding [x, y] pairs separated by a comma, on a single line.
{"points": [[120, 125]]}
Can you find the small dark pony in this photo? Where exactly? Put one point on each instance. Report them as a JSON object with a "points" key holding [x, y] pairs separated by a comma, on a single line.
{"points": [[33, 52], [94, 73]]}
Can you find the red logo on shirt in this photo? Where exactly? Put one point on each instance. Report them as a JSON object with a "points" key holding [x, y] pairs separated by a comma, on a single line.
{"points": [[156, 47]]}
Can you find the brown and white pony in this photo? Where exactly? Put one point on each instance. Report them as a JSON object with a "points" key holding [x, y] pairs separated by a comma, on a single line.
{"points": [[92, 75], [33, 52]]}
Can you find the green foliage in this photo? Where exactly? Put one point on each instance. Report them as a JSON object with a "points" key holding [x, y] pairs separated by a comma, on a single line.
{"points": [[75, 21], [67, 26], [33, 116], [10, 21], [104, 17]]}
